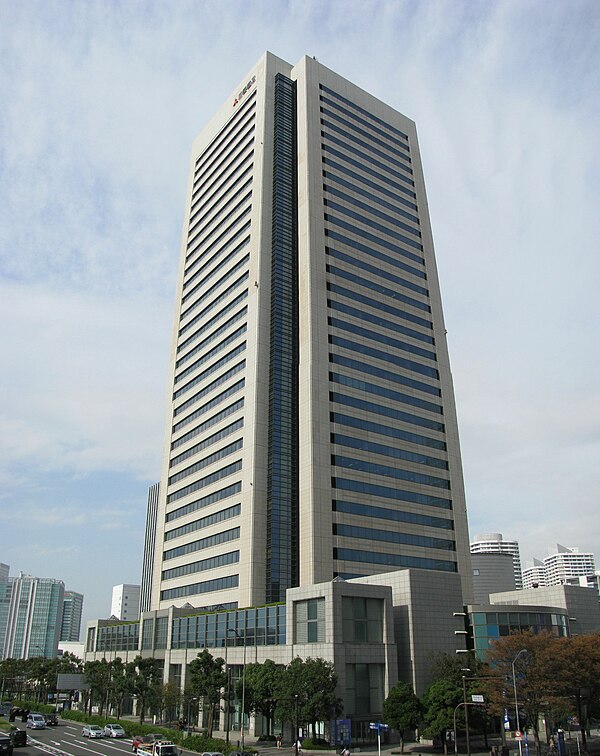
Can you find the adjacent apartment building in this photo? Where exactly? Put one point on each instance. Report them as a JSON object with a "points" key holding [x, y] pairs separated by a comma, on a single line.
{"points": [[312, 430], [562, 566]]}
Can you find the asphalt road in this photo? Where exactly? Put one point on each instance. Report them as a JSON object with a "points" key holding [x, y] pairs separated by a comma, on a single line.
{"points": [[66, 740]]}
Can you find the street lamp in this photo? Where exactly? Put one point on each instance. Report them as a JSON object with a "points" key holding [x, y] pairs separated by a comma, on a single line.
{"points": [[227, 688], [243, 691], [522, 651], [464, 684], [188, 712]]}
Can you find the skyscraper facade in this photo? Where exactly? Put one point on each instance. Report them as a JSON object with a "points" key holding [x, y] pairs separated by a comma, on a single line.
{"points": [[311, 429], [34, 608], [71, 617]]}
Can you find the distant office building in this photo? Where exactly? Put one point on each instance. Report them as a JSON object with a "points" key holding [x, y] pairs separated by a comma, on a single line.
{"points": [[492, 573], [564, 566], [33, 616], [534, 574], [494, 543], [149, 548], [126, 602], [4, 572], [71, 619]]}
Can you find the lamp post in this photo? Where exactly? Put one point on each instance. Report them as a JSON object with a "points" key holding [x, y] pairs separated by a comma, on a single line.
{"points": [[522, 651], [188, 712], [243, 693], [296, 709], [227, 687], [464, 684]]}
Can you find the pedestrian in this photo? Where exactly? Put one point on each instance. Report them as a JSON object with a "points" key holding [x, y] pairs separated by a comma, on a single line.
{"points": [[278, 741]]}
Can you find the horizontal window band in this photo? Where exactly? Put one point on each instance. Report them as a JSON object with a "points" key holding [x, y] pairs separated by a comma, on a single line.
{"points": [[207, 586], [395, 515]]}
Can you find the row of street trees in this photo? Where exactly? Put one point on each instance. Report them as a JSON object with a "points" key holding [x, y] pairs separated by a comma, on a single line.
{"points": [[555, 679], [301, 692]]}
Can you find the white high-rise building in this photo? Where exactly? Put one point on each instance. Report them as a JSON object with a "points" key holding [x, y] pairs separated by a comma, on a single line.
{"points": [[494, 543], [125, 603], [534, 574], [563, 566], [312, 429]]}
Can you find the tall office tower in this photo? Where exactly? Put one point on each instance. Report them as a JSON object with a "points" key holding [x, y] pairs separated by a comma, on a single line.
{"points": [[149, 548], [125, 603], [312, 429], [71, 617], [494, 543], [34, 617]]}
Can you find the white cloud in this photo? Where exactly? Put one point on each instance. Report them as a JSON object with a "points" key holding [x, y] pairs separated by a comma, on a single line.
{"points": [[100, 106]]}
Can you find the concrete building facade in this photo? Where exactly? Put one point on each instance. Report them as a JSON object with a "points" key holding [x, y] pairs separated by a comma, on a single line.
{"points": [[125, 604], [492, 572], [494, 543], [311, 429]]}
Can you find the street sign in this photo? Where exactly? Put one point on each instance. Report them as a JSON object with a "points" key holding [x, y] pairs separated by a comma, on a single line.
{"points": [[518, 735], [379, 726], [477, 699]]}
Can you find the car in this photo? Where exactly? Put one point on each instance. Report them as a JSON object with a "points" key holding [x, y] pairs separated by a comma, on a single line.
{"points": [[142, 740], [91, 731], [6, 747], [212, 753], [51, 719], [36, 721], [18, 737], [114, 731]]}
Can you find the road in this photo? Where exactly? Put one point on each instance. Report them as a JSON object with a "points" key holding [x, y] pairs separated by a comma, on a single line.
{"points": [[66, 740]]}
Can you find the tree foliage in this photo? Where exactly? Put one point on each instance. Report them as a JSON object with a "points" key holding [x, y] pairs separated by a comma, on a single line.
{"points": [[307, 690], [207, 680], [402, 710]]}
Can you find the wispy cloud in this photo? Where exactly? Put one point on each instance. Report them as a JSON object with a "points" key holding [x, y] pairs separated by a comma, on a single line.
{"points": [[100, 103]]}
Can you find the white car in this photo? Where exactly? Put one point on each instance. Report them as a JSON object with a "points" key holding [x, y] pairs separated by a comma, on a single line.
{"points": [[91, 731], [36, 721], [114, 731]]}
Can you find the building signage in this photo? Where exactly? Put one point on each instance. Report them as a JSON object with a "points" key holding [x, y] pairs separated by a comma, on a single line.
{"points": [[243, 92]]}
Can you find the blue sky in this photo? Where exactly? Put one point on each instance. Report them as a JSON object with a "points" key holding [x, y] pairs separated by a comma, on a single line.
{"points": [[100, 103]]}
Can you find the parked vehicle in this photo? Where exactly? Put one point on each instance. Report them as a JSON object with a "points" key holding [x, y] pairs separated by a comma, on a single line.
{"points": [[18, 737], [114, 731], [36, 721], [91, 731]]}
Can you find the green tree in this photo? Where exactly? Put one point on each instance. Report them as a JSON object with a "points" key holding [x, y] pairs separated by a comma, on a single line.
{"points": [[207, 679], [98, 675], [261, 683], [120, 685], [439, 702], [402, 710], [307, 691], [146, 681]]}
